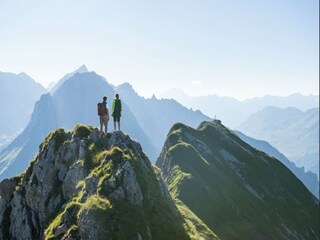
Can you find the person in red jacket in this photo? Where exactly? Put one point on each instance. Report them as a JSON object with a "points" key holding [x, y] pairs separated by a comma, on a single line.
{"points": [[104, 115]]}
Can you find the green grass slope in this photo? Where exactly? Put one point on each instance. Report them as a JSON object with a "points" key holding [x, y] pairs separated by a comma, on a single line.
{"points": [[236, 190]]}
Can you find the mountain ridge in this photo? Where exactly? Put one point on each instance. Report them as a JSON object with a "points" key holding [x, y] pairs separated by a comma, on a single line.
{"points": [[226, 108], [293, 132], [309, 179], [156, 116], [236, 190]]}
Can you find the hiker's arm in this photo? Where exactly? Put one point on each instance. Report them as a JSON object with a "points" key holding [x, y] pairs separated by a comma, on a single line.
{"points": [[113, 103]]}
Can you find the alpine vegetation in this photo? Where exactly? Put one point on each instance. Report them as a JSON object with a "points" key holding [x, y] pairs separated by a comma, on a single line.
{"points": [[84, 186], [238, 191]]}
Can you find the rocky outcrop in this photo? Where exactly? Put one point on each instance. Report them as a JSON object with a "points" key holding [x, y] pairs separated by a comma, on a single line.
{"points": [[85, 186], [7, 187]]}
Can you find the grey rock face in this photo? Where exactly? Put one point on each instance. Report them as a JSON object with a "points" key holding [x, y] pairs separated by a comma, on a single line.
{"points": [[117, 194], [91, 185], [89, 229], [131, 186], [20, 227], [95, 135], [119, 139], [111, 182], [6, 189], [73, 176], [164, 191], [47, 184]]}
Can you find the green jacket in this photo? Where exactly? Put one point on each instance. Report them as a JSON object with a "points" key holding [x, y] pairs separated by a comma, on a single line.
{"points": [[114, 104]]}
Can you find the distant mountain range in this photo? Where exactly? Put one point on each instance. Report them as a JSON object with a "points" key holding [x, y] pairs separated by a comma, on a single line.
{"points": [[236, 190], [157, 116], [18, 94], [293, 132], [75, 101], [309, 179], [233, 112]]}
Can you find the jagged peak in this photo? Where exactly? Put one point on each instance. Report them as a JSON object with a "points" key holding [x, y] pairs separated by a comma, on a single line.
{"points": [[125, 85], [178, 126], [203, 126], [216, 123], [82, 68], [23, 74]]}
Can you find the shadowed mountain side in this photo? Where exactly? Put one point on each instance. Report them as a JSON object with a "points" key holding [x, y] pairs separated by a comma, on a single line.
{"points": [[18, 94], [236, 190], [16, 156], [309, 179]]}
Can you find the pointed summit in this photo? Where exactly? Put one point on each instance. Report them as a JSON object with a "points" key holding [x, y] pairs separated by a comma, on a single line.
{"points": [[81, 69], [125, 87]]}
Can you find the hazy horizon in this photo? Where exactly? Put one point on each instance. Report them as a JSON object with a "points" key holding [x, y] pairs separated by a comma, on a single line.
{"points": [[237, 49], [160, 95]]}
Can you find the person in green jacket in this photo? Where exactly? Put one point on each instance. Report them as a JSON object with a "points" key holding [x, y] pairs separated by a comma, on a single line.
{"points": [[116, 111]]}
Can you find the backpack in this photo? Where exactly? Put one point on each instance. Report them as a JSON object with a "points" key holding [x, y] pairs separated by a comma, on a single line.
{"points": [[100, 109], [117, 106]]}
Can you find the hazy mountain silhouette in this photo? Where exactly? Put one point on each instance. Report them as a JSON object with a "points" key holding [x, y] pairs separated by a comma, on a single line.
{"points": [[309, 179], [157, 116], [82, 69], [75, 101], [232, 111], [18, 94], [293, 132]]}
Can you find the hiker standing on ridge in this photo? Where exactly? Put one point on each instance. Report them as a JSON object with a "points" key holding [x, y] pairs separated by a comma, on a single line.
{"points": [[103, 113], [116, 111]]}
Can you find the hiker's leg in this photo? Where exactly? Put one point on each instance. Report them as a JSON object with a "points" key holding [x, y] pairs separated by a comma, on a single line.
{"points": [[105, 124], [101, 125], [119, 125], [114, 122]]}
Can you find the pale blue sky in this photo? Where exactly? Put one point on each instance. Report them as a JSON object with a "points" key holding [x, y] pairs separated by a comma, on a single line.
{"points": [[234, 48]]}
